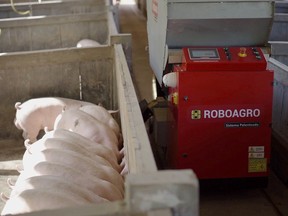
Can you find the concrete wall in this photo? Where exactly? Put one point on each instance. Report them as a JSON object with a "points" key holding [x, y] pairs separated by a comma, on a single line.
{"points": [[54, 73]]}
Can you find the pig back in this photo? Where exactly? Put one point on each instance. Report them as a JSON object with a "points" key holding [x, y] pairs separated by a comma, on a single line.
{"points": [[39, 199], [99, 168], [100, 187], [101, 114], [73, 146], [49, 182], [84, 124], [84, 142]]}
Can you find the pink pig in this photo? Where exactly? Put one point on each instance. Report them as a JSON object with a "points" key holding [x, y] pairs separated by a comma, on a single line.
{"points": [[39, 199], [49, 182], [99, 151], [98, 186], [99, 168], [38, 113], [85, 143], [103, 115], [84, 124]]}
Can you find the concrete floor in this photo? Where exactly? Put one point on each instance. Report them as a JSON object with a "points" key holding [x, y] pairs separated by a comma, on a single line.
{"points": [[10, 157], [217, 201], [132, 21]]}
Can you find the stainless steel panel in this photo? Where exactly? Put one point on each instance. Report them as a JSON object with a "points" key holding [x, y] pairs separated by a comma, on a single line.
{"points": [[218, 32]]}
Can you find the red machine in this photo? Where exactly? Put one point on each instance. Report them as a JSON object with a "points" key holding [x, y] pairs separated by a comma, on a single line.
{"points": [[222, 107]]}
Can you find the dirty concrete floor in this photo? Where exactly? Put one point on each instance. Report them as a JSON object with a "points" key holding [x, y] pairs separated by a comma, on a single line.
{"points": [[270, 201], [10, 157], [132, 21]]}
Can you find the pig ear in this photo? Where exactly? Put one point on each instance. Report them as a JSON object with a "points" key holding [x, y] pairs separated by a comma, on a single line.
{"points": [[122, 152], [124, 171], [16, 123], [4, 197], [17, 105], [10, 184], [46, 130], [113, 111], [27, 143], [123, 163], [19, 168], [28, 150]]}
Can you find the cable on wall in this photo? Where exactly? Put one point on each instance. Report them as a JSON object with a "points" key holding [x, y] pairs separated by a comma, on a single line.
{"points": [[19, 12]]}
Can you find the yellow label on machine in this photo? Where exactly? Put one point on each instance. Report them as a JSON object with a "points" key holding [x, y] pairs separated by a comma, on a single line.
{"points": [[196, 114], [257, 165]]}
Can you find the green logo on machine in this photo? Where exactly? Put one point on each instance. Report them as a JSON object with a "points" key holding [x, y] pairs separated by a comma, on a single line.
{"points": [[196, 114]]}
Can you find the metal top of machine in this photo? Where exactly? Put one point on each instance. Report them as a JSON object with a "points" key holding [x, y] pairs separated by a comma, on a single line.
{"points": [[220, 1], [174, 24], [214, 23]]}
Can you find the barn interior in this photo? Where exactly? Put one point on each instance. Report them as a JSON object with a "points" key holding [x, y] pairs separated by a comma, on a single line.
{"points": [[147, 122]]}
